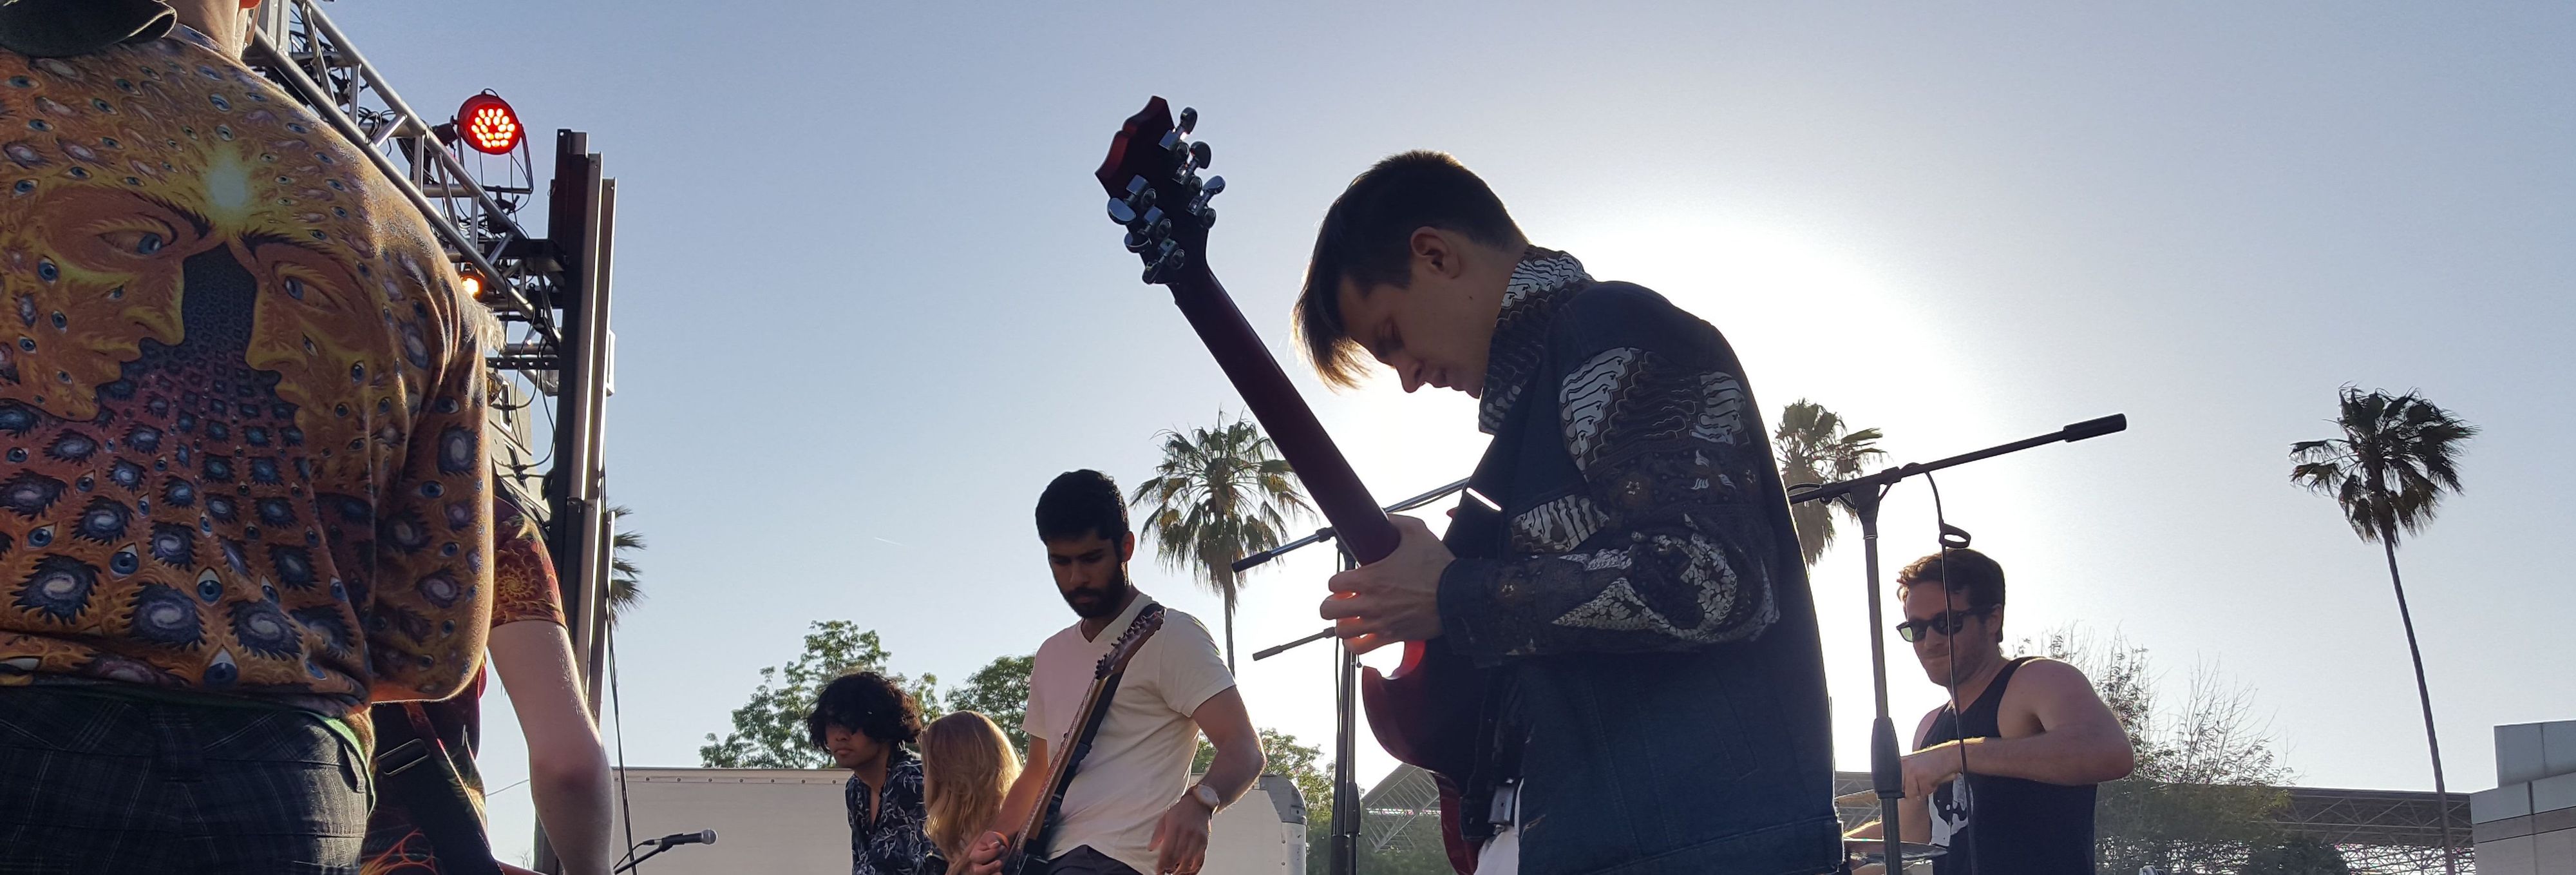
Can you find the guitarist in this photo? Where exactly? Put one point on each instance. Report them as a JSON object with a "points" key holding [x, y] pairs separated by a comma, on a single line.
{"points": [[1654, 698], [1130, 808]]}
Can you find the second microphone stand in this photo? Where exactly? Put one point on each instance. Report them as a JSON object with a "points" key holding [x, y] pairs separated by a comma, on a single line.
{"points": [[1346, 671]]}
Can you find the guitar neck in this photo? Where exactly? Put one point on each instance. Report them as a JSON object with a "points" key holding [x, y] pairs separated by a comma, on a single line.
{"points": [[1328, 477]]}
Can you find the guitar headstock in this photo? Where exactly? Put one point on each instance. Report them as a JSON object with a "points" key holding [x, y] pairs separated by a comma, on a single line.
{"points": [[1124, 649], [1152, 177]]}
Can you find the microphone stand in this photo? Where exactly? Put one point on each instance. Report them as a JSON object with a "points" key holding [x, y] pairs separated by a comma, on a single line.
{"points": [[658, 847], [1346, 669], [1861, 495]]}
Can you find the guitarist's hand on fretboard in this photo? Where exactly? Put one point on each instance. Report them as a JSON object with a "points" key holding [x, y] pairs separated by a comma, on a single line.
{"points": [[1396, 598]]}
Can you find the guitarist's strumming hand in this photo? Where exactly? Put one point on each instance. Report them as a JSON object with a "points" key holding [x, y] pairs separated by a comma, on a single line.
{"points": [[1180, 840], [985, 856], [1393, 599]]}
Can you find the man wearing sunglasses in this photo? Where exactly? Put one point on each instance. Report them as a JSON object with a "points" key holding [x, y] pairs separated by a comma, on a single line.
{"points": [[2003, 774]]}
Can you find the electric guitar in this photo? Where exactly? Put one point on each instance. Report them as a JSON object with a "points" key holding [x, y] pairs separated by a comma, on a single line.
{"points": [[1424, 713], [1029, 846]]}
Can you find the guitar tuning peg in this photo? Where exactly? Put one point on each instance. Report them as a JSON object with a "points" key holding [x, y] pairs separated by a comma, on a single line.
{"points": [[1189, 119], [1138, 185], [1172, 140], [1135, 242], [1214, 186], [1201, 154], [1120, 212], [1207, 217]]}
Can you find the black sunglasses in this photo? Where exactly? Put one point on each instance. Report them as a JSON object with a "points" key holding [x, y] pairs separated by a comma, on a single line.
{"points": [[1945, 624]]}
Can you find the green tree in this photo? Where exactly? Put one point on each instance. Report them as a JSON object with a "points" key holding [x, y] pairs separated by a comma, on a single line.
{"points": [[769, 731], [2397, 458], [1219, 495], [1815, 447], [2206, 792], [1000, 690], [1304, 766]]}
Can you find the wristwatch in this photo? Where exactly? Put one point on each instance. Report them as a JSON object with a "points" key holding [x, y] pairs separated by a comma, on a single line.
{"points": [[1206, 795]]}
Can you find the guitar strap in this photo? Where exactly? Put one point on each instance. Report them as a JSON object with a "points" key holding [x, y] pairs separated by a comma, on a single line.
{"points": [[412, 769]]}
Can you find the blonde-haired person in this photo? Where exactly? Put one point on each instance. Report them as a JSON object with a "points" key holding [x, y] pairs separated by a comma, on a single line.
{"points": [[967, 766]]}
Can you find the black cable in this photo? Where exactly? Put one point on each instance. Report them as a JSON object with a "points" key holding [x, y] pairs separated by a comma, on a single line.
{"points": [[1958, 721], [625, 809]]}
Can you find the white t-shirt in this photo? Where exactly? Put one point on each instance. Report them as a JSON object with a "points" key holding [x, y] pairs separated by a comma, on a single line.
{"points": [[1140, 760]]}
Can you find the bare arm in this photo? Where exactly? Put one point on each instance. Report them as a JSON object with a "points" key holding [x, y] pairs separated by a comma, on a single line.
{"points": [[567, 770], [1023, 797], [1180, 840], [1239, 759], [1913, 812], [2079, 741]]}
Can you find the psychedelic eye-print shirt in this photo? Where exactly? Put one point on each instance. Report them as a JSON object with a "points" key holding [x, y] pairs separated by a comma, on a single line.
{"points": [[241, 417]]}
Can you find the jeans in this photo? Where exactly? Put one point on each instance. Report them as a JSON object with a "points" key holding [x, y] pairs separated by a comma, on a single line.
{"points": [[93, 782]]}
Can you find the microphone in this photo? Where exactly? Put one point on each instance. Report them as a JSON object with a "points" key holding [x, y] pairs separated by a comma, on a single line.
{"points": [[701, 837]]}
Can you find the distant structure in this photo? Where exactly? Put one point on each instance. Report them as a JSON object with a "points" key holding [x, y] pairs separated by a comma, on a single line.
{"points": [[2527, 824]]}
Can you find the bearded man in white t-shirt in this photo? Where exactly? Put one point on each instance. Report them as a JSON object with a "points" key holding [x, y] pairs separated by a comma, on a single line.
{"points": [[1130, 809]]}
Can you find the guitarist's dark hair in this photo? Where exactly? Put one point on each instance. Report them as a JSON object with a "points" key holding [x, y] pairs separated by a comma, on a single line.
{"points": [[1365, 239], [864, 702], [1079, 503]]}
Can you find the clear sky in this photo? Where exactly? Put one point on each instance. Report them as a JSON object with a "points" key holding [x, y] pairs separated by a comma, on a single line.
{"points": [[867, 304]]}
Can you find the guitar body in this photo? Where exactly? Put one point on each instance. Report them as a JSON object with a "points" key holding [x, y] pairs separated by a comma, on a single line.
{"points": [[1425, 712]]}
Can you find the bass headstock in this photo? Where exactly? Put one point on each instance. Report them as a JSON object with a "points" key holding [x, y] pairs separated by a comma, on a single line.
{"points": [[1155, 191], [1148, 621]]}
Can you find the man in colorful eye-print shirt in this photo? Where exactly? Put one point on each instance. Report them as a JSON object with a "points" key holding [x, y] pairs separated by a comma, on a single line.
{"points": [[244, 491]]}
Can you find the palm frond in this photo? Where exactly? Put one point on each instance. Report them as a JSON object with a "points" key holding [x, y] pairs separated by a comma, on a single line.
{"points": [[1815, 447], [2397, 459]]}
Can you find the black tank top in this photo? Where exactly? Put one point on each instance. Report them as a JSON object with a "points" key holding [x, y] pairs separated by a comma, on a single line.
{"points": [[2005, 826]]}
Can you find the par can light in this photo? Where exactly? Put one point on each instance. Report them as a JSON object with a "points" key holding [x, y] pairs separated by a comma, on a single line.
{"points": [[488, 124]]}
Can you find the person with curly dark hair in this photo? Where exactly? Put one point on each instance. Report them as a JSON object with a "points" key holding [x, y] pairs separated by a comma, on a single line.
{"points": [[864, 721]]}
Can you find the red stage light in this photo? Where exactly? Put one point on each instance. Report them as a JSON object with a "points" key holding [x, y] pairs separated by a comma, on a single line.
{"points": [[488, 124]]}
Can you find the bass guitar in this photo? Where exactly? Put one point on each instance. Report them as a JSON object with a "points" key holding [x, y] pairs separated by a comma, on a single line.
{"points": [[1424, 713], [1029, 845]]}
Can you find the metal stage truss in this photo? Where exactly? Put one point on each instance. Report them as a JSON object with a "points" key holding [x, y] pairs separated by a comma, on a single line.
{"points": [[544, 313]]}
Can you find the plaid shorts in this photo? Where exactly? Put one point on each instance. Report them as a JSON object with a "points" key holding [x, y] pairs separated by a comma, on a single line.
{"points": [[98, 783]]}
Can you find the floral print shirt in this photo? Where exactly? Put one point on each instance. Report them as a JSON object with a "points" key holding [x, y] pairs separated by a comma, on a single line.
{"points": [[895, 842]]}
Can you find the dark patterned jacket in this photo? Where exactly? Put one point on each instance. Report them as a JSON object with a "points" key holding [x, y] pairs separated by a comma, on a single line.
{"points": [[894, 843], [1657, 682]]}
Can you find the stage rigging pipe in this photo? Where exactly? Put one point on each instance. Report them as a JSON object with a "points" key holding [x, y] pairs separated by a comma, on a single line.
{"points": [[1325, 534]]}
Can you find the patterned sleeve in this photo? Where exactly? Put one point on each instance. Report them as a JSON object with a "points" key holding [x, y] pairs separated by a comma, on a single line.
{"points": [[1666, 546], [523, 573], [432, 602]]}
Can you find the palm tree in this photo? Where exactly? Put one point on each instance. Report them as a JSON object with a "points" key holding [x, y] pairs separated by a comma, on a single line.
{"points": [[2397, 457], [1220, 494], [1815, 448], [624, 590]]}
